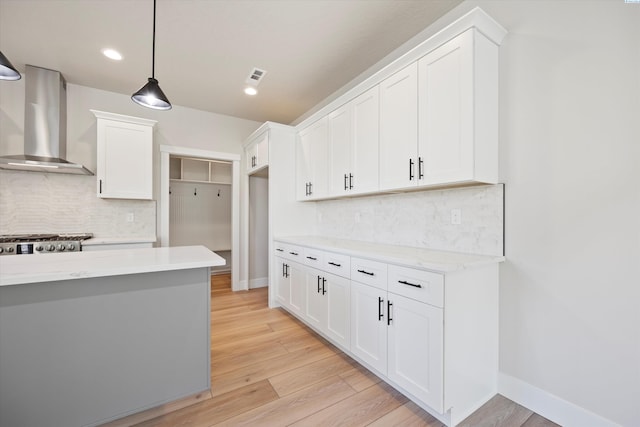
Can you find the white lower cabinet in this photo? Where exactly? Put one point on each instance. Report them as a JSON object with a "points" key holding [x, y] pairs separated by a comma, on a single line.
{"points": [[415, 348], [290, 285], [316, 304], [401, 339], [327, 305], [432, 335], [369, 326], [282, 282], [296, 287]]}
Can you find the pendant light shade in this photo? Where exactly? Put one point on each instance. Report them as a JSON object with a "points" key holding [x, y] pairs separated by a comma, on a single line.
{"points": [[150, 95], [7, 70]]}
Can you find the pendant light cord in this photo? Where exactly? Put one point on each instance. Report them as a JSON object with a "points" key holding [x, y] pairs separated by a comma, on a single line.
{"points": [[153, 49]]}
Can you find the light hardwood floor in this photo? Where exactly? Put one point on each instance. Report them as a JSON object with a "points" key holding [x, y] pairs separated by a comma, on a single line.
{"points": [[268, 369]]}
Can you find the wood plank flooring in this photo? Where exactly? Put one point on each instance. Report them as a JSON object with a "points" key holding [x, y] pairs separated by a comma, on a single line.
{"points": [[268, 369]]}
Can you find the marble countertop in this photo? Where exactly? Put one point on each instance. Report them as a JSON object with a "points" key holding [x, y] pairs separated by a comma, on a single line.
{"points": [[428, 259], [21, 269], [117, 240]]}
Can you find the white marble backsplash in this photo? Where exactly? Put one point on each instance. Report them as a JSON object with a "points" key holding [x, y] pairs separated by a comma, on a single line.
{"points": [[421, 219], [33, 202]]}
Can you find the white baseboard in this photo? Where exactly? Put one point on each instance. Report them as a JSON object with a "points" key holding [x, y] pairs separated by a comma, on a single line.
{"points": [[548, 405], [260, 282], [241, 286]]}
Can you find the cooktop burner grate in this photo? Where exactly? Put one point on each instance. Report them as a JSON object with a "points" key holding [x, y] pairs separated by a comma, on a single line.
{"points": [[17, 238]]}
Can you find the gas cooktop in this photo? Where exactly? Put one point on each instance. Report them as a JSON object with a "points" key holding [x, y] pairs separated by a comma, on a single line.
{"points": [[23, 244]]}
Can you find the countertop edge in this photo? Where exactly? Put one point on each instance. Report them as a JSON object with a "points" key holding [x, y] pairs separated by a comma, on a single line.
{"points": [[420, 258], [20, 269]]}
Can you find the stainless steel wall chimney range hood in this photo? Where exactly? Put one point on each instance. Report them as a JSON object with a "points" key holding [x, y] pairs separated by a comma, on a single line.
{"points": [[45, 126]]}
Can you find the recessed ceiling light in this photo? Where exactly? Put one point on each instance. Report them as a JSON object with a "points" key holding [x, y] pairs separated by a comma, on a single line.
{"points": [[250, 90], [112, 54]]}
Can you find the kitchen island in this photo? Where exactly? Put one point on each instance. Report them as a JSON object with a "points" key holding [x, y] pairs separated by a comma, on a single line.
{"points": [[89, 337]]}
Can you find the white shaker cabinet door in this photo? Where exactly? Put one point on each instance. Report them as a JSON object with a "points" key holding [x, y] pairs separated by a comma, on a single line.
{"points": [[312, 162], [416, 349], [340, 131], [297, 279], [458, 123], [282, 282], [251, 154], [364, 144], [399, 129], [316, 303], [124, 157], [338, 295], [369, 325], [446, 112]]}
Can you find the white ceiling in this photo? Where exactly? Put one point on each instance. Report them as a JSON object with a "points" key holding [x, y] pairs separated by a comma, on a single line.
{"points": [[205, 49]]}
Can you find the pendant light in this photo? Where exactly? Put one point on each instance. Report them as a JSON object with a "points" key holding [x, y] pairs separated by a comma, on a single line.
{"points": [[7, 70], [150, 95]]}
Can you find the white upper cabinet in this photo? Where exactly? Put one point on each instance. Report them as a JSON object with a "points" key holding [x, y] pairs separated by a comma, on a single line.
{"points": [[257, 153], [430, 121], [124, 156], [458, 112], [399, 129], [311, 162], [340, 135], [353, 146]]}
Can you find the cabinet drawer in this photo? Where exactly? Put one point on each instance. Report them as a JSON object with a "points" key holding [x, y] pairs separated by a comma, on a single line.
{"points": [[290, 252], [294, 253], [369, 272], [337, 264], [279, 249], [419, 285], [313, 257]]}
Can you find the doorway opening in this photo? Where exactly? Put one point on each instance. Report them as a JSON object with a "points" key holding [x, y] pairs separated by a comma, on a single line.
{"points": [[209, 182]]}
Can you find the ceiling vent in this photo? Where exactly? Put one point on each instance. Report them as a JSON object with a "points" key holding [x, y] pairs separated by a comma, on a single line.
{"points": [[256, 76]]}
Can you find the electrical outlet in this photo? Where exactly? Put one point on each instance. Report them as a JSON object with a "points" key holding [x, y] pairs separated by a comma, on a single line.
{"points": [[456, 216], [130, 217]]}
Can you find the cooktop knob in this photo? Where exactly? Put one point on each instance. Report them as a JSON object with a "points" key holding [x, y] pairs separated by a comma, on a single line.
{"points": [[71, 246], [39, 248], [61, 247], [50, 247], [1, 250], [9, 249]]}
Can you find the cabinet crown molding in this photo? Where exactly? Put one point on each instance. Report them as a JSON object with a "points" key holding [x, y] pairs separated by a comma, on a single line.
{"points": [[123, 118]]}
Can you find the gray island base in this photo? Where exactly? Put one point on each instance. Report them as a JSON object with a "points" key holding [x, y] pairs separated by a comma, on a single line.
{"points": [[86, 351]]}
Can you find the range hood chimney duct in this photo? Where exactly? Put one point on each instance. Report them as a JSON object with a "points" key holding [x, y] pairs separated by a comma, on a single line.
{"points": [[45, 126]]}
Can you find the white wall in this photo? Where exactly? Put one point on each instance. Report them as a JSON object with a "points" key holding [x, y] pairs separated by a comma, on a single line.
{"points": [[258, 232], [180, 126], [570, 158]]}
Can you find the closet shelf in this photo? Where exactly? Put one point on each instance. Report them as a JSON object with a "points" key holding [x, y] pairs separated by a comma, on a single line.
{"points": [[195, 181]]}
